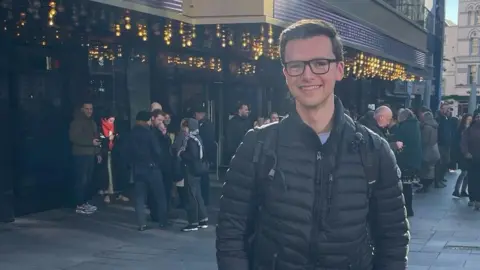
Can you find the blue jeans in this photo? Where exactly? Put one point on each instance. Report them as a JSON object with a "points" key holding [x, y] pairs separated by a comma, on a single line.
{"points": [[83, 173]]}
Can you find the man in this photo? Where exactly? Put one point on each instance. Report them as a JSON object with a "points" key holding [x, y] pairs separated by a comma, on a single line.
{"points": [[378, 121], [238, 125], [444, 144], [160, 131], [86, 145], [207, 134], [155, 106], [144, 154], [314, 209]]}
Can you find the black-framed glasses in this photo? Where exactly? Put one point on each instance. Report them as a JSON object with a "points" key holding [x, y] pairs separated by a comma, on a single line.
{"points": [[317, 66]]}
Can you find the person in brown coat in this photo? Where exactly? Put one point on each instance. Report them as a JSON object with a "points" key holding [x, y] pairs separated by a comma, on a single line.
{"points": [[86, 145]]}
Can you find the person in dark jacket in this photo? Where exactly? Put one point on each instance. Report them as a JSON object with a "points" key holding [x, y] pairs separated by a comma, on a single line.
{"points": [[166, 165], [470, 146], [445, 131], [238, 125], [462, 179], [378, 121], [192, 154], [207, 133], [409, 159], [315, 212], [143, 154]]}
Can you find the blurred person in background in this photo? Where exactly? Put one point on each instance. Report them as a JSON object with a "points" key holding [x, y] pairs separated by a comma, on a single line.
{"points": [[470, 146]]}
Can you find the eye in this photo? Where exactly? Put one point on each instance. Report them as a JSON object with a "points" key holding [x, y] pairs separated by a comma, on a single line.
{"points": [[319, 63]]}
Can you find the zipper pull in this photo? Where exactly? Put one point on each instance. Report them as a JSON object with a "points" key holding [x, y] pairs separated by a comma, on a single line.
{"points": [[319, 155]]}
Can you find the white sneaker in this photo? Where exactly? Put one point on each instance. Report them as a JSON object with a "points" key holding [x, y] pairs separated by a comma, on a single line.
{"points": [[84, 211], [90, 207]]}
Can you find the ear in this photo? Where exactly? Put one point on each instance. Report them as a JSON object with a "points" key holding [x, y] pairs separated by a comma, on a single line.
{"points": [[340, 71], [285, 74]]}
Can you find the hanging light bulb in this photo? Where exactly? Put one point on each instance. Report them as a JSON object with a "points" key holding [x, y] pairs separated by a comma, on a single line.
{"points": [[117, 30], [127, 18]]}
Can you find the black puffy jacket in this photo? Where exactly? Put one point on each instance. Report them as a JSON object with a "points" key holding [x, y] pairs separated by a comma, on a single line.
{"points": [[315, 211]]}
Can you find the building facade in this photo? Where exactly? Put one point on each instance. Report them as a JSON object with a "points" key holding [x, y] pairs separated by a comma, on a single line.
{"points": [[467, 56], [124, 54], [449, 58]]}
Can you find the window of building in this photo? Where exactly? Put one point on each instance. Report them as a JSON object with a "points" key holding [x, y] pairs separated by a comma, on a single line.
{"points": [[472, 74], [474, 49], [471, 18], [477, 16]]}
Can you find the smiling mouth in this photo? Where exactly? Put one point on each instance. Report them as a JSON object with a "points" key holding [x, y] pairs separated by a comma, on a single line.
{"points": [[310, 87]]}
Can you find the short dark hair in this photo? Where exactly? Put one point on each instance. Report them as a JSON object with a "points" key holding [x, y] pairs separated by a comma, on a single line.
{"points": [[85, 102], [240, 105], [157, 112], [305, 29]]}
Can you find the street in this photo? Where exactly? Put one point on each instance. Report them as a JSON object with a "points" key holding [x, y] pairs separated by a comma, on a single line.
{"points": [[445, 236]]}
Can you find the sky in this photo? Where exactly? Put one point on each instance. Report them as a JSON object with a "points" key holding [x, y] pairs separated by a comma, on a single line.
{"points": [[451, 9]]}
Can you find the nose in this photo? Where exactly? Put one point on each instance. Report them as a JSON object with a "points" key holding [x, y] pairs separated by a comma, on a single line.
{"points": [[307, 73]]}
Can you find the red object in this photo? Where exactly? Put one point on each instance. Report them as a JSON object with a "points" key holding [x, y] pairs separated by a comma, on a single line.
{"points": [[108, 128]]}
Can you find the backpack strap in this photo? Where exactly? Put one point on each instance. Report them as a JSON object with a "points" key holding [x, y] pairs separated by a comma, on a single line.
{"points": [[265, 151], [368, 147]]}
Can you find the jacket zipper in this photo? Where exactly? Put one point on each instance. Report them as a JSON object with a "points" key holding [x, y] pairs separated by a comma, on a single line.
{"points": [[274, 261], [329, 195], [317, 209]]}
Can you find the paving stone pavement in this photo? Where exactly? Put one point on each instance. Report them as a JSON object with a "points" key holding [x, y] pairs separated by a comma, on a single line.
{"points": [[445, 236]]}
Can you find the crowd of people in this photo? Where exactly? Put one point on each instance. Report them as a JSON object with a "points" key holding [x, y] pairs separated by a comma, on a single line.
{"points": [[428, 147], [162, 164]]}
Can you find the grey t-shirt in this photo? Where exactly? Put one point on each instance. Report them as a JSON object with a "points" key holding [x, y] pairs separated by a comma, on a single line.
{"points": [[324, 136]]}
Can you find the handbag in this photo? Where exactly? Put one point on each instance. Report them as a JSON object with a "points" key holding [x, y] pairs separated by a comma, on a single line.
{"points": [[200, 167]]}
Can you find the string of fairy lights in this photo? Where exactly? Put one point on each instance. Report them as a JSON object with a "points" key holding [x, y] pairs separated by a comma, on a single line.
{"points": [[256, 44]]}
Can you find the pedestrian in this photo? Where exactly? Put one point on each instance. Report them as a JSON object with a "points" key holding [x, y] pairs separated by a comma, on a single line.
{"points": [[192, 155], [462, 180], [430, 151], [315, 190], [86, 144], [409, 158], [471, 150], [144, 154]]}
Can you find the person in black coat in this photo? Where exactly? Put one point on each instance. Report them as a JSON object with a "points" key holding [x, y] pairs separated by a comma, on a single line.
{"points": [[144, 153], [463, 164], [237, 127], [409, 158], [207, 133]]}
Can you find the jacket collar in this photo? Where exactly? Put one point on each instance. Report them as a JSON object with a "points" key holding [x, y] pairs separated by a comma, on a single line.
{"points": [[336, 133]]}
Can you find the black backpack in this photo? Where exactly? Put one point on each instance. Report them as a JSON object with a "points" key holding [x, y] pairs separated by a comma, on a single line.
{"points": [[265, 158]]}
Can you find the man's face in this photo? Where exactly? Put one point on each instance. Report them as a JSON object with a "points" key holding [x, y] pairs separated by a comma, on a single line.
{"points": [[167, 119], [274, 118], [157, 121], [445, 110], [243, 111], [308, 88], [199, 115], [384, 119], [87, 109]]}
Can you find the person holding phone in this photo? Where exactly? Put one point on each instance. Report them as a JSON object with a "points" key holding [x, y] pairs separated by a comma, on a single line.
{"points": [[84, 136]]}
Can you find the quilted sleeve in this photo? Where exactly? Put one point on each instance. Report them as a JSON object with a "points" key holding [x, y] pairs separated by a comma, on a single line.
{"points": [[390, 224], [237, 208]]}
